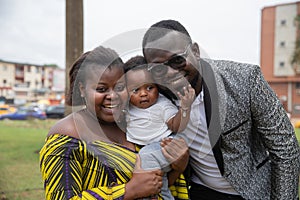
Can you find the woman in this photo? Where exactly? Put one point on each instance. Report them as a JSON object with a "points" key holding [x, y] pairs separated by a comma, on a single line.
{"points": [[86, 154]]}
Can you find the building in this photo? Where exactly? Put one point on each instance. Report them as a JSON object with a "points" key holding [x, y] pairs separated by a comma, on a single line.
{"points": [[21, 83], [279, 33]]}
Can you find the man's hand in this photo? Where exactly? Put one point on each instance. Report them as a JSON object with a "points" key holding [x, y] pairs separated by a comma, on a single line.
{"points": [[176, 152]]}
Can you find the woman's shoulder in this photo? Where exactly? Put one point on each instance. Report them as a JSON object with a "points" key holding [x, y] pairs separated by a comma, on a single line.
{"points": [[63, 141], [66, 126]]}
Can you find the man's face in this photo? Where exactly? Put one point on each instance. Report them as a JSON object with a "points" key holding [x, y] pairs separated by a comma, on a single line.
{"points": [[173, 62]]}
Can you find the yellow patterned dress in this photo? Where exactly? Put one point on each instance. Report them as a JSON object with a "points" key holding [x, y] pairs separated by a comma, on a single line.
{"points": [[73, 169]]}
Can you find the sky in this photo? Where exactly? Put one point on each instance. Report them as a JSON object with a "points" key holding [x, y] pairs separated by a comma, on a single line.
{"points": [[33, 31]]}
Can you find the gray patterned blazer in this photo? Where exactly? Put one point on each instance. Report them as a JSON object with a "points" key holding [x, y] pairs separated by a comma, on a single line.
{"points": [[253, 140]]}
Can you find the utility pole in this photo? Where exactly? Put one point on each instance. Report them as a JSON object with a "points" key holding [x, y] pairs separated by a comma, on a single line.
{"points": [[74, 37]]}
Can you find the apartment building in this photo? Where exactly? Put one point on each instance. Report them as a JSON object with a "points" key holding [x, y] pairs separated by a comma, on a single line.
{"points": [[22, 82], [279, 32]]}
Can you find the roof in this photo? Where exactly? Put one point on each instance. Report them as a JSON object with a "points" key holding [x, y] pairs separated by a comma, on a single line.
{"points": [[30, 64], [281, 4]]}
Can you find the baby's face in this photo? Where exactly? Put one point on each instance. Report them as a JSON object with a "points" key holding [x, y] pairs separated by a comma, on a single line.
{"points": [[143, 92]]}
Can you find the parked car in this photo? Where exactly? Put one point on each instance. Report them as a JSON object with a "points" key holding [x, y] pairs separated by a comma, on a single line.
{"points": [[297, 124], [6, 109], [24, 114], [55, 111]]}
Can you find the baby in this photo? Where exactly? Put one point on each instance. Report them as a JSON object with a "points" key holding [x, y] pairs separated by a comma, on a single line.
{"points": [[152, 117]]}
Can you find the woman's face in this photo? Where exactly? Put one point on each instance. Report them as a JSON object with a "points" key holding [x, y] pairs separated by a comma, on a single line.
{"points": [[105, 92]]}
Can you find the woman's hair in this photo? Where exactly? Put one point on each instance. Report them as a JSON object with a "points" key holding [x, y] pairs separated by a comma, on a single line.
{"points": [[99, 57]]}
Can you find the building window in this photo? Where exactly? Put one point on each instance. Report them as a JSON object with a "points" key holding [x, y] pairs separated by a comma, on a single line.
{"points": [[283, 22], [281, 64], [4, 68], [29, 69], [282, 44], [4, 81]]}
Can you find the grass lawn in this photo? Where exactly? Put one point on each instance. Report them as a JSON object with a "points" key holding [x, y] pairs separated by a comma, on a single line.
{"points": [[20, 142], [297, 131]]}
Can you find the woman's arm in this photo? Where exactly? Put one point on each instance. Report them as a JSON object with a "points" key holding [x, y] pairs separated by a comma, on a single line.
{"points": [[62, 161], [150, 181]]}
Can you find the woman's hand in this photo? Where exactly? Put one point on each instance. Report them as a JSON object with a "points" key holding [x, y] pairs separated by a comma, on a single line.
{"points": [[176, 152], [143, 183]]}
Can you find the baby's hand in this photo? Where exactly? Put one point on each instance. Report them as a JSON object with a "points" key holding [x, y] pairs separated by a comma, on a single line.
{"points": [[188, 98]]}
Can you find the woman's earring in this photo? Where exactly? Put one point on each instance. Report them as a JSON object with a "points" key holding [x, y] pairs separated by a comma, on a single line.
{"points": [[83, 99]]}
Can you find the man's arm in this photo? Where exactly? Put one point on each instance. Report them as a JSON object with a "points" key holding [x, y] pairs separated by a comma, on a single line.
{"points": [[272, 123]]}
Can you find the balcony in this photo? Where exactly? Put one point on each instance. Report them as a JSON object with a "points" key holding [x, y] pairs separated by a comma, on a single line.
{"points": [[21, 87], [19, 75]]}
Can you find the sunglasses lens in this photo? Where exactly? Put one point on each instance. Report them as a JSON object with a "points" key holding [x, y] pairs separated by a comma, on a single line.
{"points": [[177, 62], [159, 70]]}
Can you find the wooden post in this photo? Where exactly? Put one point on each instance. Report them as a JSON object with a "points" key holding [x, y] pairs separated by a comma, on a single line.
{"points": [[74, 37]]}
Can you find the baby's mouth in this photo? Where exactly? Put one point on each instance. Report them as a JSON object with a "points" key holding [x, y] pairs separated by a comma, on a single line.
{"points": [[144, 101]]}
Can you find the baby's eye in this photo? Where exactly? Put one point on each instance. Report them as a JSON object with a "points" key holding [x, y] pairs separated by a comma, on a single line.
{"points": [[135, 90], [150, 87]]}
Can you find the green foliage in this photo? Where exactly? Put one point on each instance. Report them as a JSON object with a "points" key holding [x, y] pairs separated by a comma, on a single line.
{"points": [[297, 131], [296, 54]]}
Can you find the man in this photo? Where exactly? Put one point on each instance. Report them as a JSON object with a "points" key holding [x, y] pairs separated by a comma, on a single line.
{"points": [[242, 144]]}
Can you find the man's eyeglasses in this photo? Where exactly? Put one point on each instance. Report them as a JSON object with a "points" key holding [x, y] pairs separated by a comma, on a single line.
{"points": [[177, 61]]}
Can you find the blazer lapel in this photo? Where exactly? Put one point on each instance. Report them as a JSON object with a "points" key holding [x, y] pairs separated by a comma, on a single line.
{"points": [[211, 103]]}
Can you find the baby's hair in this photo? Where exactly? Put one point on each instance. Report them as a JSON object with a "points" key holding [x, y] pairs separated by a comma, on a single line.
{"points": [[137, 62]]}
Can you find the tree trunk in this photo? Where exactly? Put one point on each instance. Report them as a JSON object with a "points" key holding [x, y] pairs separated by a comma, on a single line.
{"points": [[74, 37]]}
